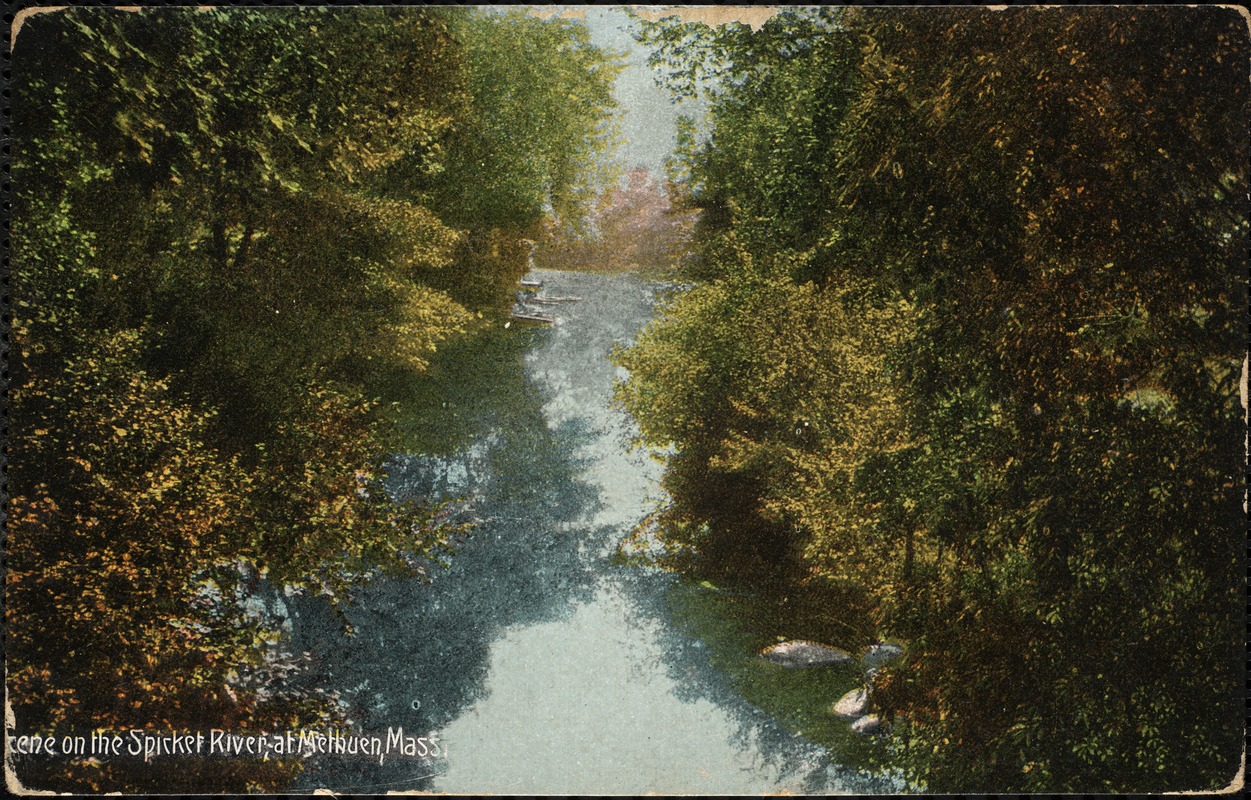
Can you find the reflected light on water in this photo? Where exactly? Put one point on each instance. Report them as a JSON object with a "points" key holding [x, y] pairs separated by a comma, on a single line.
{"points": [[544, 666], [583, 704]]}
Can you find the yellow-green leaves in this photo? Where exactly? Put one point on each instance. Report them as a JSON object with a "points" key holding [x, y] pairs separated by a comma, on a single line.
{"points": [[969, 337], [226, 223]]}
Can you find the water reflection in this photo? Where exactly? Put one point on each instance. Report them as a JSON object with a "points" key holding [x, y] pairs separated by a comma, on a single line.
{"points": [[545, 667], [777, 754], [428, 645]]}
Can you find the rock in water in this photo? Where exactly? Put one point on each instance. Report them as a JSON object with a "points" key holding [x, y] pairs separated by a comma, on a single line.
{"points": [[867, 724], [880, 654], [853, 704], [805, 654]]}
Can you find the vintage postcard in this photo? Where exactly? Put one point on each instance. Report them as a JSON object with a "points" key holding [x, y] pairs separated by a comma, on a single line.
{"points": [[626, 399]]}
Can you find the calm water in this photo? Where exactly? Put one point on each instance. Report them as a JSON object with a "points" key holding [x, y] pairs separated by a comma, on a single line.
{"points": [[541, 666]]}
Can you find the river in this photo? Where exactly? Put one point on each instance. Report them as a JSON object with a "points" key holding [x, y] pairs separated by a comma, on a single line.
{"points": [[541, 664]]}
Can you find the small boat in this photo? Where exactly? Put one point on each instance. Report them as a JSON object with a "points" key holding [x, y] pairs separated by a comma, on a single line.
{"points": [[544, 301], [525, 316], [531, 286]]}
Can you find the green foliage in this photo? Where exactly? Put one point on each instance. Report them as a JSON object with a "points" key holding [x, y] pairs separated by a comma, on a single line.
{"points": [[525, 154], [777, 96], [1024, 432], [540, 89], [226, 223], [1076, 389], [123, 531]]}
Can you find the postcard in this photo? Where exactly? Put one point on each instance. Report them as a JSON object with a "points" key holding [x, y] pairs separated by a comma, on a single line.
{"points": [[626, 400]]}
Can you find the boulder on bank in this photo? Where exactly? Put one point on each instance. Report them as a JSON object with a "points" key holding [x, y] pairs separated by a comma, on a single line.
{"points": [[867, 724], [798, 653], [880, 653], [853, 704]]}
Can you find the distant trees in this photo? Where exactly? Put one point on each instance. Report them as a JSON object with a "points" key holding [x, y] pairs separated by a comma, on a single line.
{"points": [[538, 88], [1014, 418], [634, 225], [224, 221]]}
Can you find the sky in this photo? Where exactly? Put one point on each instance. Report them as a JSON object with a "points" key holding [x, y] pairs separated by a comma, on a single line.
{"points": [[649, 116]]}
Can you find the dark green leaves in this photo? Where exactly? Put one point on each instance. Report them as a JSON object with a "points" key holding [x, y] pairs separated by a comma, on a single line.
{"points": [[1023, 430]]}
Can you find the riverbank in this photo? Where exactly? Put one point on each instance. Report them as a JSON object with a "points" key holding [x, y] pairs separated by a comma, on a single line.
{"points": [[736, 626], [540, 662]]}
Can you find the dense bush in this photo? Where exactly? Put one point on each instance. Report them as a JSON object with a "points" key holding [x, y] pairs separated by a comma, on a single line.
{"points": [[970, 335], [225, 222]]}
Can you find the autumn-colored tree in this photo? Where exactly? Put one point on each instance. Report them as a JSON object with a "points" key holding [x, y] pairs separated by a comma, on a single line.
{"points": [[633, 226], [223, 221], [1038, 219], [1075, 382]]}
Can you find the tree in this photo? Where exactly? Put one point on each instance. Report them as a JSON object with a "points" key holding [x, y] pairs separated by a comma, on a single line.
{"points": [[224, 219], [633, 226], [529, 149], [1037, 220], [776, 97]]}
